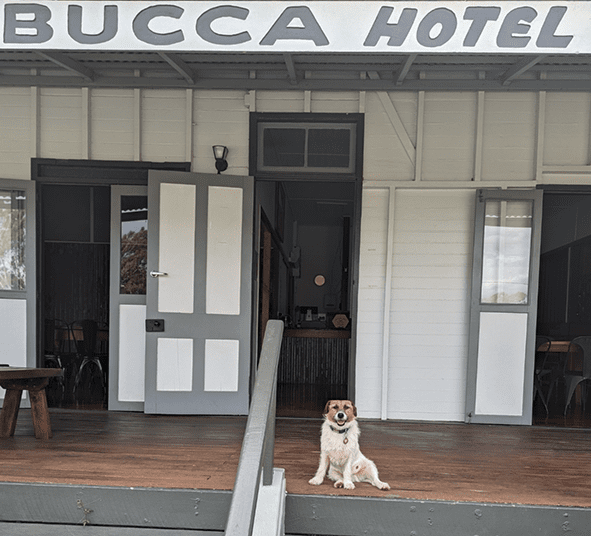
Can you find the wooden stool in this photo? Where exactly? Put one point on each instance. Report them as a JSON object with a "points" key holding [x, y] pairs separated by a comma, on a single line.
{"points": [[15, 381]]}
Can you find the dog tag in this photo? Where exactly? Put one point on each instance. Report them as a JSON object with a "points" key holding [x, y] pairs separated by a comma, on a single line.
{"points": [[345, 441]]}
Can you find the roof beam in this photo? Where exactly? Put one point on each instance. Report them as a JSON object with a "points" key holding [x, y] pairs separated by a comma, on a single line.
{"points": [[400, 75], [288, 58], [519, 68], [179, 66], [69, 64]]}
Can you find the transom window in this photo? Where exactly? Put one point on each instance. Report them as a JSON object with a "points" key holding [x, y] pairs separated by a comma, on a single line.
{"points": [[306, 147]]}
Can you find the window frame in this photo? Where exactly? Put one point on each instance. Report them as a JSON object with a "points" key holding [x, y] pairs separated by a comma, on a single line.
{"points": [[354, 122]]}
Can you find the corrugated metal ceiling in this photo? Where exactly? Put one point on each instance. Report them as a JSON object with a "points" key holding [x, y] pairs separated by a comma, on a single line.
{"points": [[288, 71]]}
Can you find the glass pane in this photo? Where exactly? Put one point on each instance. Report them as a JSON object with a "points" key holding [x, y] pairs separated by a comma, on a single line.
{"points": [[329, 147], [12, 239], [283, 147], [506, 255], [134, 243]]}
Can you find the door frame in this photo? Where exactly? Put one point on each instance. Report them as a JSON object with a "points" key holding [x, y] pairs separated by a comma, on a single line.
{"points": [[355, 237], [80, 173]]}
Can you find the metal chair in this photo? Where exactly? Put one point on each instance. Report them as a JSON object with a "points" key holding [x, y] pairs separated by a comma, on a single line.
{"points": [[85, 333], [56, 338], [541, 373], [573, 378]]}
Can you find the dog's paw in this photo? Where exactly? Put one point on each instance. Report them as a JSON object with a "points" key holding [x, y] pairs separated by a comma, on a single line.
{"points": [[384, 486], [315, 481], [349, 485], [338, 484]]}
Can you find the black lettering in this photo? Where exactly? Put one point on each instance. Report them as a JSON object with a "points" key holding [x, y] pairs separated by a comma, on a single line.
{"points": [[41, 30], [479, 17], [512, 25], [109, 26], [448, 22], [311, 30], [143, 19], [396, 32], [204, 25], [547, 39]]}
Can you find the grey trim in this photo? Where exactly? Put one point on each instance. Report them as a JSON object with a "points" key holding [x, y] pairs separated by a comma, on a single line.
{"points": [[347, 83], [352, 516], [305, 71], [129, 507], [116, 299], [305, 514], [36, 529], [354, 285]]}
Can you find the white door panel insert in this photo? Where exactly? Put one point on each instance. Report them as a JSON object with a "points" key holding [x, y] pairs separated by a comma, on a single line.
{"points": [[224, 246], [177, 248]]}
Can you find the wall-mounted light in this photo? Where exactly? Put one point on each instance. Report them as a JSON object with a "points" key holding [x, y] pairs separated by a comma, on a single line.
{"points": [[220, 152]]}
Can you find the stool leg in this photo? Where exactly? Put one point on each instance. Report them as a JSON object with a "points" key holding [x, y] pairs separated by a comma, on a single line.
{"points": [[9, 413], [40, 413]]}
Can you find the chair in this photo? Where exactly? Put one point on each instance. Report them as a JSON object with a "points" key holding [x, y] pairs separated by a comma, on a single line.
{"points": [[85, 334], [56, 338], [542, 372], [575, 377]]}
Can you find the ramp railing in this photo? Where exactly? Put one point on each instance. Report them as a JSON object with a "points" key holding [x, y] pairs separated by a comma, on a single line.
{"points": [[256, 457]]}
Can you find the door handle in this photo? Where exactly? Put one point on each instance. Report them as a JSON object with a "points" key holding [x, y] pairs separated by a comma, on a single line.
{"points": [[154, 273]]}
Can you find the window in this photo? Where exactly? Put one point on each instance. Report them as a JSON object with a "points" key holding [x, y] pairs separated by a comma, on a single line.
{"points": [[299, 144], [134, 244], [12, 240]]}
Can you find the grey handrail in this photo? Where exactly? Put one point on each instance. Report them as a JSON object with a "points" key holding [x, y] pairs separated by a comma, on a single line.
{"points": [[258, 445]]}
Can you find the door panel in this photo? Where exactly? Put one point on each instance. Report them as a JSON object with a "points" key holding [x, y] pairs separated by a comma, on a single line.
{"points": [[199, 252], [503, 306], [127, 341]]}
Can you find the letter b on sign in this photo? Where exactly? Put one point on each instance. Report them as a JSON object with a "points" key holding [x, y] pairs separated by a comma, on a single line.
{"points": [[27, 23]]}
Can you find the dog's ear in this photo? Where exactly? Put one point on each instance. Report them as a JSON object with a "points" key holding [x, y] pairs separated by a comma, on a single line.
{"points": [[327, 407], [354, 409]]}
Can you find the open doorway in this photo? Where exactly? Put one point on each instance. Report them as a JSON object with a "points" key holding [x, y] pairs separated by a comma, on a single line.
{"points": [[564, 308], [306, 239], [74, 242]]}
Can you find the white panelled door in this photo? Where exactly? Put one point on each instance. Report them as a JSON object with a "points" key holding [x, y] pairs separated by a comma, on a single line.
{"points": [[198, 293], [503, 306]]}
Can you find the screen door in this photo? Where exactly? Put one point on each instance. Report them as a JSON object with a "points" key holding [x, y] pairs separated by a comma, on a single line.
{"points": [[198, 293], [503, 306]]}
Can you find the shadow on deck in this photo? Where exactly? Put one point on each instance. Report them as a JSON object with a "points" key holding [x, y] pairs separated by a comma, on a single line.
{"points": [[181, 469]]}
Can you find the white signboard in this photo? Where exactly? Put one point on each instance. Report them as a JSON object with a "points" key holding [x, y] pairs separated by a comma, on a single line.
{"points": [[399, 27]]}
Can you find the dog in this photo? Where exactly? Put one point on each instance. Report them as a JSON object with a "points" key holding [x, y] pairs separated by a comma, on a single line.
{"points": [[339, 449]]}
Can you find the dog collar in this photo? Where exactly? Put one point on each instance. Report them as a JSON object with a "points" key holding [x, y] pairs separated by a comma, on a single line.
{"points": [[343, 431]]}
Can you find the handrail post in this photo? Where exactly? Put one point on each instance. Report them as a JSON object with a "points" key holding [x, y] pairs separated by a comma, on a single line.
{"points": [[269, 454], [256, 457]]}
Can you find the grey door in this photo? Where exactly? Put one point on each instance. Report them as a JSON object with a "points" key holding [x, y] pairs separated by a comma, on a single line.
{"points": [[17, 273], [198, 293], [129, 253], [503, 306]]}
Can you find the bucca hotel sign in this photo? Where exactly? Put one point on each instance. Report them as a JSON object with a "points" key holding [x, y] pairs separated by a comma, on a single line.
{"points": [[333, 26]]}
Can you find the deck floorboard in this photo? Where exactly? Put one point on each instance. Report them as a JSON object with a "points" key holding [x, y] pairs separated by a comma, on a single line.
{"points": [[425, 461]]}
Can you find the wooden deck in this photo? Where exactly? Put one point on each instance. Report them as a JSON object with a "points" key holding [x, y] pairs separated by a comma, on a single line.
{"points": [[426, 461]]}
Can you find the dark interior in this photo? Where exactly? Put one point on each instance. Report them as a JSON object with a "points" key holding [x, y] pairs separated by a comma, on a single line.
{"points": [[75, 235], [564, 303]]}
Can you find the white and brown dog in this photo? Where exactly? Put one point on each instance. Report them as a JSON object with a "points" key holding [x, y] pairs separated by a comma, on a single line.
{"points": [[339, 449]]}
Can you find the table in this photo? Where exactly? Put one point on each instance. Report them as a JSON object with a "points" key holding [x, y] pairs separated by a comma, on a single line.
{"points": [[34, 380], [556, 347]]}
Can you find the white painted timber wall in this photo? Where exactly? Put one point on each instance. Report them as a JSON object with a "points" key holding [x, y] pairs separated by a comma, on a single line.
{"points": [[425, 154]]}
